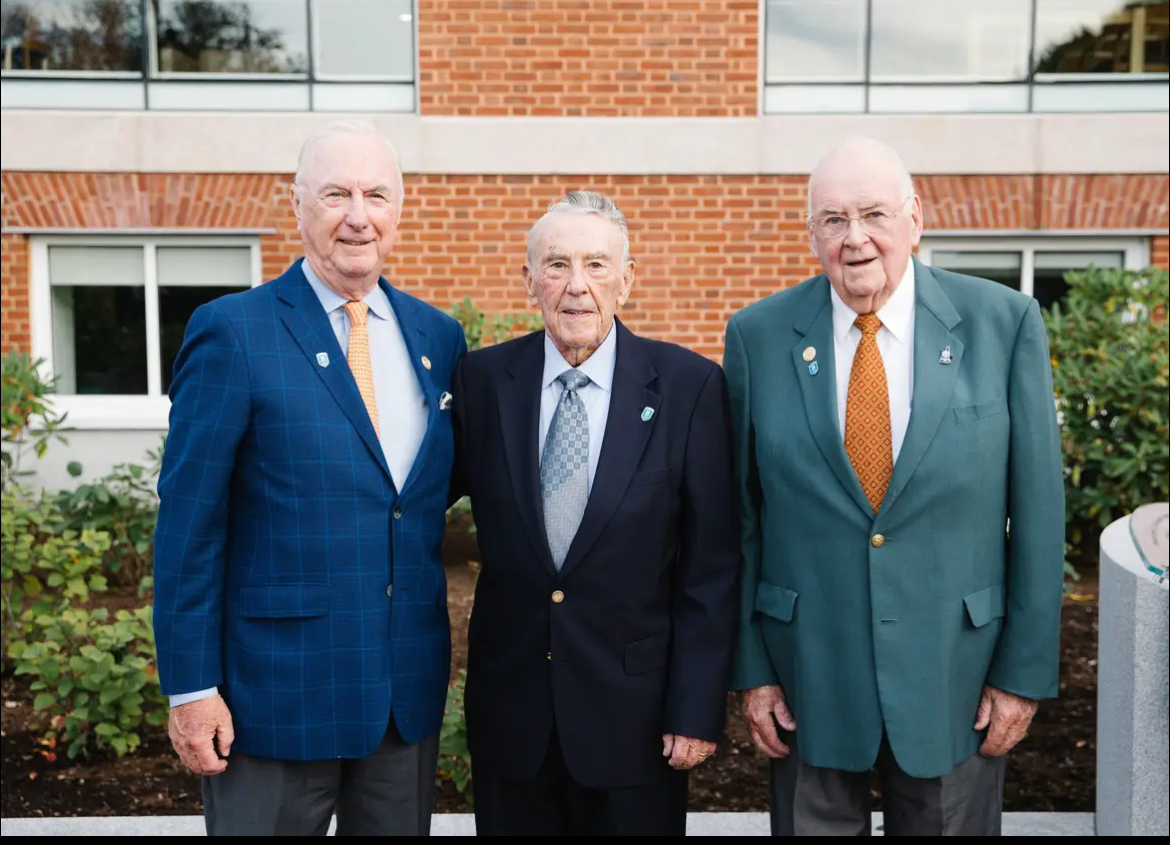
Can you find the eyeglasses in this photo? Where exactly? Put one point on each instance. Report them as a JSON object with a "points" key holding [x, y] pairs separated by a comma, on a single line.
{"points": [[872, 221]]}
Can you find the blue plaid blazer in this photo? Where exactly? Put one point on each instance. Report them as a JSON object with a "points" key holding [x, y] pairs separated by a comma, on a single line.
{"points": [[280, 530]]}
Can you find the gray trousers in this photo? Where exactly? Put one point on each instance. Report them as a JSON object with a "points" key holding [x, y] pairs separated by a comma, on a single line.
{"points": [[807, 801], [388, 793]]}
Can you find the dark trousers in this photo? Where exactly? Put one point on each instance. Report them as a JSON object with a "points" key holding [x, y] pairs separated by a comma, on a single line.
{"points": [[388, 793], [808, 801], [553, 804]]}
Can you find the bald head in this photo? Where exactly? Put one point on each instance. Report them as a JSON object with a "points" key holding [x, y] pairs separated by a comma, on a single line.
{"points": [[859, 161]]}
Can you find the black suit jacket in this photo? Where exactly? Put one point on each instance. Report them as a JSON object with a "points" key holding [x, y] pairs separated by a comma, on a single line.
{"points": [[640, 643]]}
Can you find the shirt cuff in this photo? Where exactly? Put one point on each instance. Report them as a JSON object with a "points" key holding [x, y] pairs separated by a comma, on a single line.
{"points": [[188, 697]]}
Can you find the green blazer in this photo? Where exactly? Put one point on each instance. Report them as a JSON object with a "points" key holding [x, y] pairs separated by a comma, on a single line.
{"points": [[896, 622]]}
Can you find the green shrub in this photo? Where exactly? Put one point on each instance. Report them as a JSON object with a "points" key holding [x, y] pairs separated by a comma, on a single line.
{"points": [[124, 504], [94, 679], [41, 559], [481, 330], [1111, 371], [27, 416], [454, 758]]}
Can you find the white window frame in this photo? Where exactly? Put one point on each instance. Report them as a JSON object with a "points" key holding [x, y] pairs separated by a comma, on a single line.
{"points": [[116, 412], [1136, 249]]}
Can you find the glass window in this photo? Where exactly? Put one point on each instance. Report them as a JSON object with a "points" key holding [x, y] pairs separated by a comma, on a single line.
{"points": [[1048, 284], [382, 47], [1102, 36], [187, 278], [1003, 267], [99, 320], [231, 36], [815, 41], [947, 40], [71, 35]]}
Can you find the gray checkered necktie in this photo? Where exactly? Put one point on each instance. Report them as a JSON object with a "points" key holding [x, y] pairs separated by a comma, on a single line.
{"points": [[564, 467]]}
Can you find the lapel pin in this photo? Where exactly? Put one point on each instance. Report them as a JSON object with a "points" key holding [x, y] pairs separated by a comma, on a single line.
{"points": [[945, 357], [444, 401], [814, 368], [810, 353], [323, 359], [647, 413], [426, 362]]}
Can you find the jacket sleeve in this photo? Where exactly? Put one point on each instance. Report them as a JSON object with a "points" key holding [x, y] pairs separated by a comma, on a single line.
{"points": [[705, 603], [752, 667], [1027, 657], [210, 414]]}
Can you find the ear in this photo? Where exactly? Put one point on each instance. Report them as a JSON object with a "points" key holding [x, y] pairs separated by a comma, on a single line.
{"points": [[530, 287], [295, 198], [916, 224], [628, 272]]}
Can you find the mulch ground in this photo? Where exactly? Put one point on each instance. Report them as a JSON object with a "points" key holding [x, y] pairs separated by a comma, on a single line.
{"points": [[1053, 769]]}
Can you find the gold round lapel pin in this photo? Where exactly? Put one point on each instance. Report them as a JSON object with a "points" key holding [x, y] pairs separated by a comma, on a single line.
{"points": [[426, 362], [809, 353]]}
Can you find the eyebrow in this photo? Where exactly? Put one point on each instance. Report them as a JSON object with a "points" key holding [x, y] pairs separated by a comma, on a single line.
{"points": [[865, 207], [377, 189]]}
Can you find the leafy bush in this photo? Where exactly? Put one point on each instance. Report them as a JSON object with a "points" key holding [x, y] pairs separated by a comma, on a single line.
{"points": [[1111, 371], [454, 758], [124, 504], [43, 560], [26, 412], [95, 679], [481, 330]]}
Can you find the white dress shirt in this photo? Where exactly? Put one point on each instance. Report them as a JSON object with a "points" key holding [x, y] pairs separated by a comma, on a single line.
{"points": [[595, 395], [402, 408], [895, 340]]}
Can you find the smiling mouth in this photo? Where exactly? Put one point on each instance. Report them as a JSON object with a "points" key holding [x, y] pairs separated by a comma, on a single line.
{"points": [[575, 312], [863, 263], [355, 243]]}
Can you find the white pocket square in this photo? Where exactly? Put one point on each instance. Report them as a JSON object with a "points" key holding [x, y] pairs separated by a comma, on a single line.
{"points": [[444, 401]]}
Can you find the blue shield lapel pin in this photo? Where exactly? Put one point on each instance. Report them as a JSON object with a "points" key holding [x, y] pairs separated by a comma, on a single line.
{"points": [[813, 368], [323, 359], [444, 401], [647, 413], [945, 357]]}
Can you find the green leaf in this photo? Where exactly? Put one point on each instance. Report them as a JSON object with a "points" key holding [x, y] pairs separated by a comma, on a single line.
{"points": [[74, 469], [44, 701]]}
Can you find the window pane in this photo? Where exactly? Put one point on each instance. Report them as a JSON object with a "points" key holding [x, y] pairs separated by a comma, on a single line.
{"points": [[822, 40], [1002, 267], [1102, 36], [202, 266], [221, 36], [99, 339], [1048, 284], [945, 40], [175, 307], [382, 47], [77, 35], [95, 265]]}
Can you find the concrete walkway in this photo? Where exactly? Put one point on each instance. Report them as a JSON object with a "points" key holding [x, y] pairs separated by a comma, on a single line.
{"points": [[698, 824]]}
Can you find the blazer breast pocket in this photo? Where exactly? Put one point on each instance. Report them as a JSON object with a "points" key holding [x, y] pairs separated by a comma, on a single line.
{"points": [[650, 476], [982, 411]]}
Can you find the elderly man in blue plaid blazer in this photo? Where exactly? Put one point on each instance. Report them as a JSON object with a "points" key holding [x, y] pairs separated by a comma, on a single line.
{"points": [[300, 600]]}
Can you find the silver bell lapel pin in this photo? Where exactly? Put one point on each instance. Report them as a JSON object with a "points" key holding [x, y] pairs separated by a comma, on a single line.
{"points": [[945, 357]]}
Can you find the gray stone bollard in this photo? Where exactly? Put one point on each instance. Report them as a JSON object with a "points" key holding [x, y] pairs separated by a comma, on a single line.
{"points": [[1133, 707]]}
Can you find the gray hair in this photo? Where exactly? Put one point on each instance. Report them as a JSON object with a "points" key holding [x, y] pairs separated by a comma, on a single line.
{"points": [[345, 127], [583, 202]]}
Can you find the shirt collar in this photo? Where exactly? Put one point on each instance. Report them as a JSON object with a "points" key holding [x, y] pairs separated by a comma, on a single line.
{"points": [[599, 366], [331, 300], [897, 314]]}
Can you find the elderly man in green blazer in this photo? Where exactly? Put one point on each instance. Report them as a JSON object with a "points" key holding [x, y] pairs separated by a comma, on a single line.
{"points": [[902, 520]]}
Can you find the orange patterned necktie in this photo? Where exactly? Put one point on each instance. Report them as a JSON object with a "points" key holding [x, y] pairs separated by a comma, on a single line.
{"points": [[868, 440], [359, 357]]}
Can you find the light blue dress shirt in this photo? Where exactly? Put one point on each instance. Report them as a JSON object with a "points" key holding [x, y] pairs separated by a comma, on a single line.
{"points": [[595, 395], [402, 407]]}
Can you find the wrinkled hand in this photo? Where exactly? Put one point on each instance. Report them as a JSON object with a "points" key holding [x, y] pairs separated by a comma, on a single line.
{"points": [[1007, 715], [684, 752], [763, 708], [194, 728]]}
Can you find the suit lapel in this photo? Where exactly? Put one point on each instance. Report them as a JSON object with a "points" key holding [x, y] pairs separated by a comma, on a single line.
{"points": [[415, 337], [815, 323], [309, 325], [626, 436], [519, 405], [934, 383]]}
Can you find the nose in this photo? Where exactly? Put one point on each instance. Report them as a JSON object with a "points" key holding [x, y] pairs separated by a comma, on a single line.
{"points": [[356, 215], [577, 285], [855, 235]]}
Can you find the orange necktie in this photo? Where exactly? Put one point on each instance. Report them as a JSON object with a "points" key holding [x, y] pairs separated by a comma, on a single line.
{"points": [[868, 440], [359, 357]]}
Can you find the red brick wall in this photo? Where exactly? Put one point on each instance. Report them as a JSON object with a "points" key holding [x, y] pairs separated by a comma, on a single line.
{"points": [[705, 245], [1160, 252], [588, 57]]}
